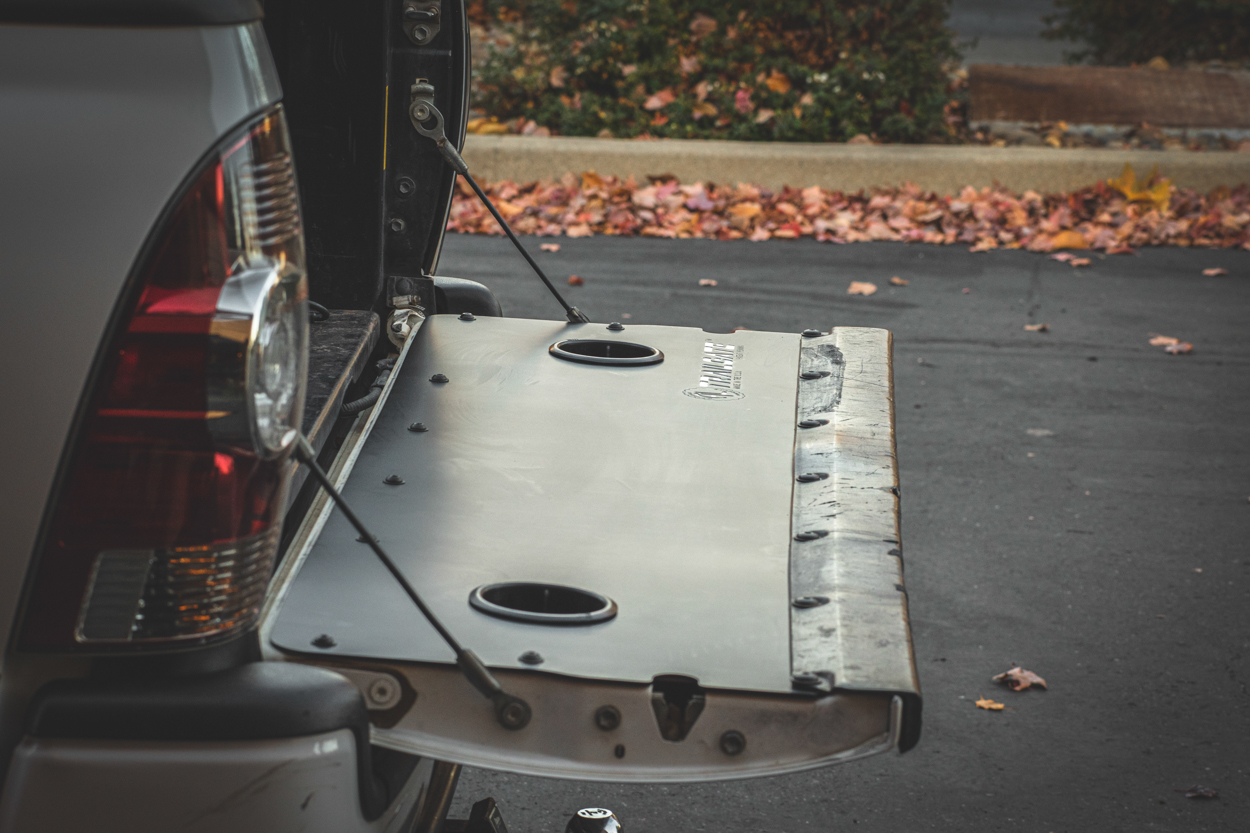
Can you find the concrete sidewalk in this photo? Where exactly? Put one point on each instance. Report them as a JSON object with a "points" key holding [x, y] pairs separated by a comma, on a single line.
{"points": [[941, 168]]}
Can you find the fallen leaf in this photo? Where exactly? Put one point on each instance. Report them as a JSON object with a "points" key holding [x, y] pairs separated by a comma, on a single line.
{"points": [[486, 127], [1157, 194], [989, 705], [1157, 340], [1063, 257], [861, 288], [1079, 261], [663, 98], [1120, 250], [576, 281], [860, 139], [1039, 432], [897, 281], [777, 82], [1179, 349], [1211, 273], [550, 247], [966, 291], [559, 76], [702, 26], [628, 69], [1158, 62], [1069, 239], [985, 245], [703, 108], [1037, 328], [764, 115], [745, 209], [1199, 791], [707, 282], [626, 315], [1018, 679], [742, 102], [688, 64], [579, 230]]}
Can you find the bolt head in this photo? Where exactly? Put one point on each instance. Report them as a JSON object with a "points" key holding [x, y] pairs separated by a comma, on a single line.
{"points": [[619, 751], [805, 680], [805, 602], [398, 224], [616, 326], [405, 186], [418, 428], [394, 480], [439, 378], [733, 742], [809, 333], [467, 316], [813, 423], [513, 714], [324, 641], [607, 718], [381, 691], [531, 658]]}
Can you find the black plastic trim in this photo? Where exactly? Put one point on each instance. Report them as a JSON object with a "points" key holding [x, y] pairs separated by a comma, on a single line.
{"points": [[131, 12], [258, 701], [457, 295]]}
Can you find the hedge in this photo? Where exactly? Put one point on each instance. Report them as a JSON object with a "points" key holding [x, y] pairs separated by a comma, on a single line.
{"points": [[788, 70], [1135, 31]]}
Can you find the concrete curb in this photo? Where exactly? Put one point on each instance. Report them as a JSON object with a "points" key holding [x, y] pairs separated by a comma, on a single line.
{"points": [[941, 168]]}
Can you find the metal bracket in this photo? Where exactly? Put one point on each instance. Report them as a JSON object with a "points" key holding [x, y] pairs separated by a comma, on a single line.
{"points": [[428, 121], [421, 20]]}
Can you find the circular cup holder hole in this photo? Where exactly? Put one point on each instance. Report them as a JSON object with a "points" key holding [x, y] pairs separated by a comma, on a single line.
{"points": [[548, 604], [605, 351]]}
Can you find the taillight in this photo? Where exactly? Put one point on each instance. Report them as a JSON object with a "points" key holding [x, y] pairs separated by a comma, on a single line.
{"points": [[169, 512]]}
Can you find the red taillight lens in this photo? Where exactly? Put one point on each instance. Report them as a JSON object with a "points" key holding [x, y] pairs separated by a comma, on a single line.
{"points": [[168, 517]]}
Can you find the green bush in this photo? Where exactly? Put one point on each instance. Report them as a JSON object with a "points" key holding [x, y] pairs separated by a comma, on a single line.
{"points": [[788, 70], [1135, 31]]}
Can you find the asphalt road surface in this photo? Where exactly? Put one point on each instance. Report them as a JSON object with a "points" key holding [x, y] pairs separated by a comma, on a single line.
{"points": [[1074, 501]]}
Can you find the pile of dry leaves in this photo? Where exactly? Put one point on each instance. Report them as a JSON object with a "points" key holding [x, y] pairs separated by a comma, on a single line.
{"points": [[1113, 216]]}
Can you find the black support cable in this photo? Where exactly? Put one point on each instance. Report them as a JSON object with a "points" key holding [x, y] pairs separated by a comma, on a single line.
{"points": [[511, 711]]}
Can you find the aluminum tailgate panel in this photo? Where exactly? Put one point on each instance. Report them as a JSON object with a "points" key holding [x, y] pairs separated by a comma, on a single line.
{"points": [[610, 479]]}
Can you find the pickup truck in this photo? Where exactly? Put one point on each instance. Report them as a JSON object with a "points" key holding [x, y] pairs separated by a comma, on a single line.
{"points": [[296, 527]]}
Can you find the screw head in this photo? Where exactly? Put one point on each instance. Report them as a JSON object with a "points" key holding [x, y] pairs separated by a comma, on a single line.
{"points": [[805, 602], [394, 480], [607, 718], [733, 742], [397, 224], [418, 428], [513, 713], [619, 751], [531, 658], [813, 374], [467, 316], [324, 641], [811, 535], [439, 378], [421, 32], [811, 476], [806, 680], [813, 423], [616, 326], [381, 691], [809, 333], [405, 186]]}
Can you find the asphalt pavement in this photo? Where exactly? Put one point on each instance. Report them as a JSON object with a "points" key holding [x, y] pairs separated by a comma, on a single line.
{"points": [[1075, 501]]}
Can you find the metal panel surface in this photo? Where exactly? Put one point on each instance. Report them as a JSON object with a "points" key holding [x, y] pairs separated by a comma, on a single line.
{"points": [[859, 639], [628, 481]]}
